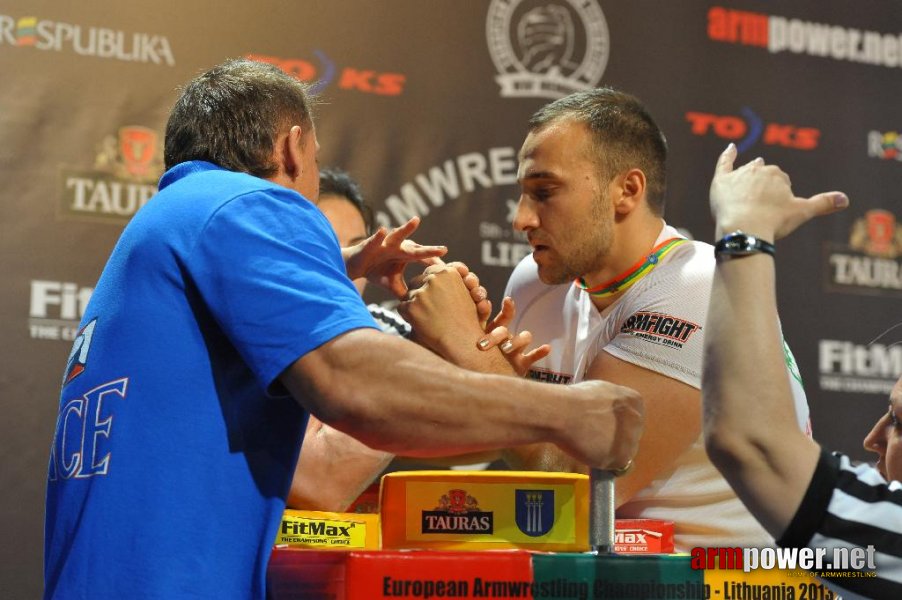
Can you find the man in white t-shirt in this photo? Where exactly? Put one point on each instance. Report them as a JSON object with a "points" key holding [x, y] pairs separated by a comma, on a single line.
{"points": [[621, 296]]}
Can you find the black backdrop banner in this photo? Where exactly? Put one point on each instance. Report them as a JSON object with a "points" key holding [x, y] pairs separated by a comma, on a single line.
{"points": [[426, 104]]}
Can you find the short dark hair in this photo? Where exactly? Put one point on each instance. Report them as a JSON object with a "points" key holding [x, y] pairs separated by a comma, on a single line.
{"points": [[232, 114], [624, 135], [335, 182]]}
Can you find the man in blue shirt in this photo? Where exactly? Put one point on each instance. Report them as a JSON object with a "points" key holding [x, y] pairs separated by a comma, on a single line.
{"points": [[224, 316]]}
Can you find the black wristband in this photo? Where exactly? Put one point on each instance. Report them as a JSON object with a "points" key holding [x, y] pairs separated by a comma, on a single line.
{"points": [[739, 243]]}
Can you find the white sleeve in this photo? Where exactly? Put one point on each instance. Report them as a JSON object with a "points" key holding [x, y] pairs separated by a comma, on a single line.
{"points": [[660, 325]]}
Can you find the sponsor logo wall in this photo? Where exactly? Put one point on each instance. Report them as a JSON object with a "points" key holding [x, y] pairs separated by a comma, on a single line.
{"points": [[427, 109]]}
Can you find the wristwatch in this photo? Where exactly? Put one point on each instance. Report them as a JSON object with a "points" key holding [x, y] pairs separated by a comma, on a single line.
{"points": [[739, 243]]}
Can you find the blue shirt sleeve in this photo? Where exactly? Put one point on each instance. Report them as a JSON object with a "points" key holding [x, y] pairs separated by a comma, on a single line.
{"points": [[269, 268]]}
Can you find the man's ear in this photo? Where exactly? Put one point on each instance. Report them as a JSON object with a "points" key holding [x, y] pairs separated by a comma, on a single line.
{"points": [[290, 152], [631, 191]]}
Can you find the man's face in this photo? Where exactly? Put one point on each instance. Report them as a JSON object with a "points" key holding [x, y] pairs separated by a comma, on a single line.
{"points": [[564, 206], [886, 437], [348, 224]]}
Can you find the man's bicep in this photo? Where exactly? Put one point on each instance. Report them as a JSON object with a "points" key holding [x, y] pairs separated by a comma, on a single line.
{"points": [[672, 419]]}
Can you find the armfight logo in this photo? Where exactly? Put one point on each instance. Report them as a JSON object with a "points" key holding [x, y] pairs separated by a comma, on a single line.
{"points": [[659, 328], [126, 170], [99, 42], [871, 263], [547, 49], [326, 72], [56, 308], [780, 34]]}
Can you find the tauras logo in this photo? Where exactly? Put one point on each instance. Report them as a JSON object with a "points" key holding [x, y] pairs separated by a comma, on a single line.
{"points": [[99, 42], [548, 49], [457, 512], [126, 169], [872, 261], [848, 367]]}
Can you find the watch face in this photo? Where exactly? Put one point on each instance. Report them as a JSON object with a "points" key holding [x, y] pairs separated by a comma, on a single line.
{"points": [[739, 244]]}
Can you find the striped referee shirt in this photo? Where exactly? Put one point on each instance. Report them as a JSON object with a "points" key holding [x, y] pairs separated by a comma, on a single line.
{"points": [[850, 505], [389, 321]]}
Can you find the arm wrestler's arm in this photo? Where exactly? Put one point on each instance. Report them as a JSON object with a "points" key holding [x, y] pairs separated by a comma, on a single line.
{"points": [[437, 409], [673, 423]]}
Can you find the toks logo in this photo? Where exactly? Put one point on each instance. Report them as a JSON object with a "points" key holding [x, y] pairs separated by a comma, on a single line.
{"points": [[360, 80], [746, 130], [99, 42], [126, 170], [779, 34], [547, 50], [872, 261], [887, 146], [457, 512]]}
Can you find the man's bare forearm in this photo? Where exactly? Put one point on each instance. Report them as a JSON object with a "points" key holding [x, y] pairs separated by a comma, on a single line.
{"points": [[333, 469], [428, 407]]}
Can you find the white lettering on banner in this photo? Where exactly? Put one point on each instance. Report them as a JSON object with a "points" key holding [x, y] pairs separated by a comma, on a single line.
{"points": [[100, 42], [106, 196], [55, 308], [6, 30], [865, 271], [846, 358], [441, 183], [833, 41], [503, 254], [854, 368]]}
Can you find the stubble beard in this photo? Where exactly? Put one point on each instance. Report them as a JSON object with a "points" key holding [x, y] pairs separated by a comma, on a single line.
{"points": [[587, 246]]}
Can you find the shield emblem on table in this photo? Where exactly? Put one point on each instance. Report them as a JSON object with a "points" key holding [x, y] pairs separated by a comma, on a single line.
{"points": [[534, 511]]}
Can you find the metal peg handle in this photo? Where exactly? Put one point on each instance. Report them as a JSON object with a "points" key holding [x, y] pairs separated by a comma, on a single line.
{"points": [[601, 511]]}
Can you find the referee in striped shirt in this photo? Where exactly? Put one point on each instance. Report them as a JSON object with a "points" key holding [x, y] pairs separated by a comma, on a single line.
{"points": [[803, 495]]}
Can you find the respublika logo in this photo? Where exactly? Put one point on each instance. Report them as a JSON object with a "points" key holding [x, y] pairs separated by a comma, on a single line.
{"points": [[99, 42], [780, 34], [55, 309], [858, 368], [457, 512], [125, 174], [871, 263], [746, 130], [534, 511], [323, 72], [886, 146], [547, 49]]}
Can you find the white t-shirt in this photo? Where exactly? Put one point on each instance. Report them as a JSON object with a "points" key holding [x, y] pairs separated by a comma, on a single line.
{"points": [[657, 324]]}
